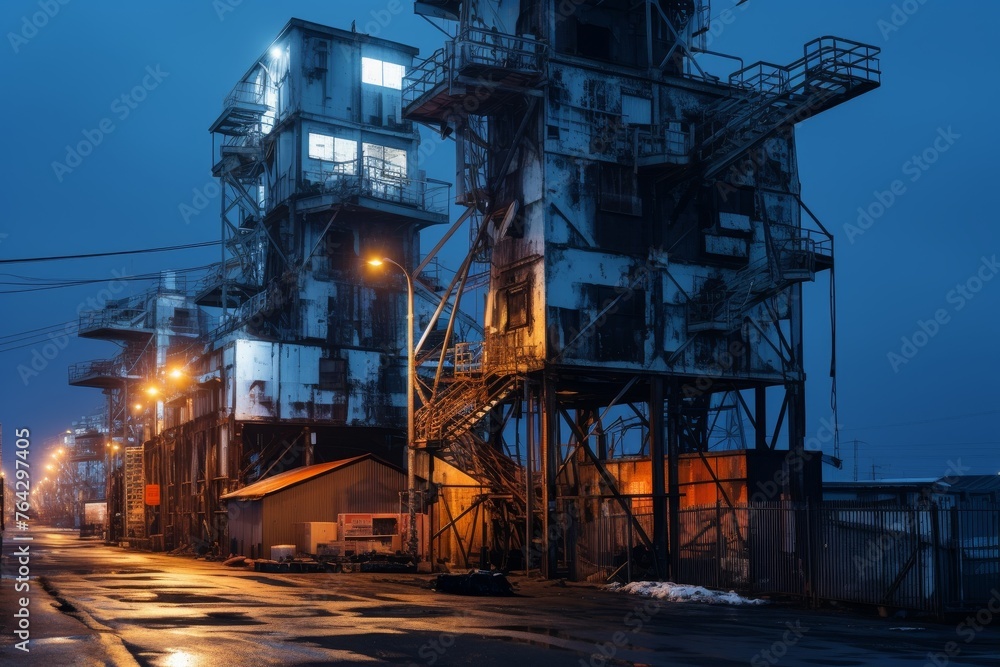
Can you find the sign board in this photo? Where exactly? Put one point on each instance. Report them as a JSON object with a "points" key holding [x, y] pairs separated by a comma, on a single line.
{"points": [[152, 494]]}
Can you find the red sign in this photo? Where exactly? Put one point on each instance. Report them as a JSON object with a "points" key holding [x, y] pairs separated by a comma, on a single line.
{"points": [[152, 494]]}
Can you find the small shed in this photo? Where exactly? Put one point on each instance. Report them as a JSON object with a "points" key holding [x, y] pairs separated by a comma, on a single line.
{"points": [[264, 513]]}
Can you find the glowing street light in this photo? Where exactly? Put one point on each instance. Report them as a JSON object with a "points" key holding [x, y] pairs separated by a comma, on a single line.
{"points": [[411, 378]]}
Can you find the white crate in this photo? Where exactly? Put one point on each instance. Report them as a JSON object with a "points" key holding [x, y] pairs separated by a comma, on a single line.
{"points": [[308, 536]]}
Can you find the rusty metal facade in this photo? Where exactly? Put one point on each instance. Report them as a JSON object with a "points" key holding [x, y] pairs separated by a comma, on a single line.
{"points": [[640, 223]]}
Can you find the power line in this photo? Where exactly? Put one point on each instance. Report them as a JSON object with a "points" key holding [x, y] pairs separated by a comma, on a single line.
{"points": [[29, 287], [51, 327], [189, 246]]}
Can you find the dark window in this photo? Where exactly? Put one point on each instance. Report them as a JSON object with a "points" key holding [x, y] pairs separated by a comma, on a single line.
{"points": [[393, 379], [620, 330], [593, 41], [736, 200], [332, 374], [517, 307], [619, 190]]}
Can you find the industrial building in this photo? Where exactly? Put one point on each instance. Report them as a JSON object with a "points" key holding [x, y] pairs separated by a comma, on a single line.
{"points": [[646, 246], [637, 236], [258, 513]]}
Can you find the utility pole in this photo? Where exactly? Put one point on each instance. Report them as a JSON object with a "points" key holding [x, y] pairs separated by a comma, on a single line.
{"points": [[856, 443], [855, 459], [875, 467]]}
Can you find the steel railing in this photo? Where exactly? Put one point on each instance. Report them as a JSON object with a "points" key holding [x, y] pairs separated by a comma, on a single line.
{"points": [[381, 180]]}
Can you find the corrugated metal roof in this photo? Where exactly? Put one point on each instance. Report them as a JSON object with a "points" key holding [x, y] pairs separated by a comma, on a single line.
{"points": [[290, 478], [973, 483]]}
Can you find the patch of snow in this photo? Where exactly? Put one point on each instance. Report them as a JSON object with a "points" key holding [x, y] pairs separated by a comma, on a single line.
{"points": [[667, 590]]}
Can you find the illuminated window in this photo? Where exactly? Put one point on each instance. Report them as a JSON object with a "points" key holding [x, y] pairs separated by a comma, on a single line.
{"points": [[380, 73], [390, 160], [343, 152], [320, 146]]}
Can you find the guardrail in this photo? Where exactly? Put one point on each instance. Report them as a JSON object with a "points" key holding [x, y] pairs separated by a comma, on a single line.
{"points": [[473, 47], [822, 56], [379, 180]]}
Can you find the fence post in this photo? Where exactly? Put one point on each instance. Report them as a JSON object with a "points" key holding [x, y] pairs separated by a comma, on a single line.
{"points": [[937, 562], [811, 542], [809, 583], [958, 570], [718, 544]]}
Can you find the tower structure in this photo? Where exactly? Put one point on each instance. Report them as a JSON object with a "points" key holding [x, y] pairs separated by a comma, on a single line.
{"points": [[146, 327], [647, 248], [319, 171]]}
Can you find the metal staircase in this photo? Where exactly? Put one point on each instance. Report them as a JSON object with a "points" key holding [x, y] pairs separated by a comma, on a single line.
{"points": [[448, 424], [246, 118], [792, 256], [461, 406], [768, 96]]}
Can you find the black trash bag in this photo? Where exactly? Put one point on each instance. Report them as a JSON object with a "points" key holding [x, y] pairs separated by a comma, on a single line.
{"points": [[474, 583]]}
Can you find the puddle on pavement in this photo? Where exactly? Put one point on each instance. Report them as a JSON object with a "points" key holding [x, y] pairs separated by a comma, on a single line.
{"points": [[330, 597], [190, 621], [304, 613], [170, 598], [549, 632], [272, 582], [143, 587], [384, 611]]}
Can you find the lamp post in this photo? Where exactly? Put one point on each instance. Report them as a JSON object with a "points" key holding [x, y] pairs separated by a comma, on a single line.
{"points": [[411, 378]]}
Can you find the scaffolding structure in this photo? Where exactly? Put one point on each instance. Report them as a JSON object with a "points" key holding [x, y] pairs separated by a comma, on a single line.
{"points": [[646, 246]]}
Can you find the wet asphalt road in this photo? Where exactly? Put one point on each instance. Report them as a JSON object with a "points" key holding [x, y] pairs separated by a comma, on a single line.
{"points": [[126, 607]]}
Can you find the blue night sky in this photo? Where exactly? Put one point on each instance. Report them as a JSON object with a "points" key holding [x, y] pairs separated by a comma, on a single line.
{"points": [[926, 256]]}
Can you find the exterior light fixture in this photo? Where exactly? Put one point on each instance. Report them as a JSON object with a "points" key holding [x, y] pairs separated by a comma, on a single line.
{"points": [[152, 391], [275, 52], [177, 373], [411, 378]]}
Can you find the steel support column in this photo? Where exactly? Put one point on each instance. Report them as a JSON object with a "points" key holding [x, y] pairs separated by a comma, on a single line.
{"points": [[658, 462], [551, 531], [760, 417], [673, 478]]}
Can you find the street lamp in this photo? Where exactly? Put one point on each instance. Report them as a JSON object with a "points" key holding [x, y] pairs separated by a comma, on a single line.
{"points": [[411, 378]]}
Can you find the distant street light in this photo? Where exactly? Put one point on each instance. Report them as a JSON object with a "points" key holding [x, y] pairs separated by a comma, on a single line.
{"points": [[411, 378]]}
